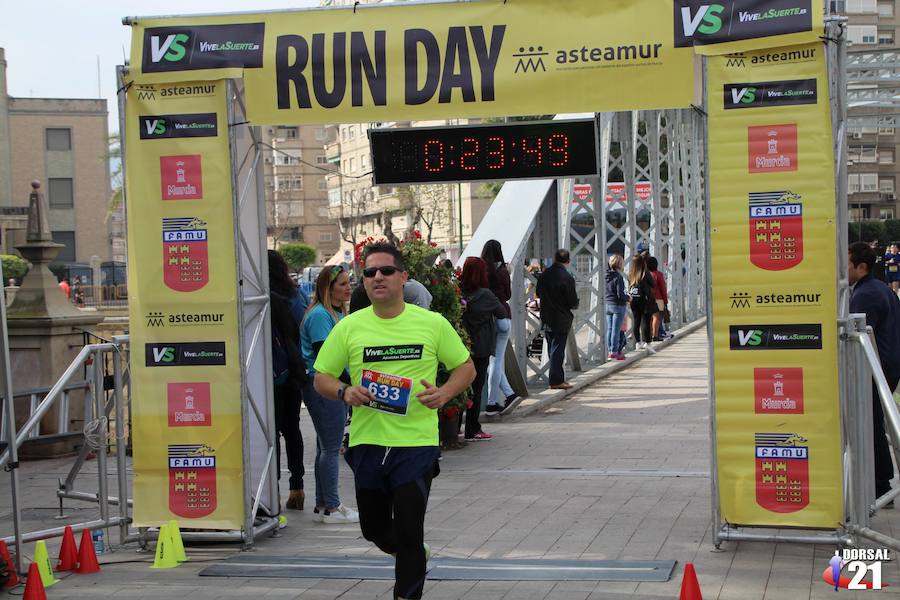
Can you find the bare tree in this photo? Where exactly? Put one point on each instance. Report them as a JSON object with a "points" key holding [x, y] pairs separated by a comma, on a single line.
{"points": [[352, 208], [430, 204]]}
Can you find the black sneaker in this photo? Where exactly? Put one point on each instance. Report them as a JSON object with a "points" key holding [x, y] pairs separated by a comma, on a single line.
{"points": [[493, 410]]}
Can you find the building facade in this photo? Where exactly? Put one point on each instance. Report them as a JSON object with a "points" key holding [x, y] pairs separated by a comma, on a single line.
{"points": [[297, 188], [446, 214], [64, 144], [872, 159]]}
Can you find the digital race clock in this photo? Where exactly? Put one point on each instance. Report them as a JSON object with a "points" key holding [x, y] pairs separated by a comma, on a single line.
{"points": [[526, 150]]}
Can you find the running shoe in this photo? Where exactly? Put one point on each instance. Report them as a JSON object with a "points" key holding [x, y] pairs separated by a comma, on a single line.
{"points": [[481, 436], [341, 514], [493, 410]]}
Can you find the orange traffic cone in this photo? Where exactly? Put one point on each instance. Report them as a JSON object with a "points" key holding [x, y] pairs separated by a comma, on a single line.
{"points": [[690, 587], [13, 576], [87, 558], [34, 588], [68, 553]]}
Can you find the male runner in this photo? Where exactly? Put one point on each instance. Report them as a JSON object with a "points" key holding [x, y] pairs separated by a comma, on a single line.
{"points": [[392, 350]]}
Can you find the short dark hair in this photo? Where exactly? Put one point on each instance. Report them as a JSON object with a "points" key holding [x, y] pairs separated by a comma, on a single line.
{"points": [[561, 256], [861, 252], [385, 248], [652, 263]]}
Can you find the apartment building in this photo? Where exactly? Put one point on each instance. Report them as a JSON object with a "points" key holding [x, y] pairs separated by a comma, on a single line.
{"points": [[872, 28], [63, 143], [297, 189], [447, 213]]}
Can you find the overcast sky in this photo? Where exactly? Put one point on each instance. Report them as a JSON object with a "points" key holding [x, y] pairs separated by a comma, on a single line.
{"points": [[52, 46]]}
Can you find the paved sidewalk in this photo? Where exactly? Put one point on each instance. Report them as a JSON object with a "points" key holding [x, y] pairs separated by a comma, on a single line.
{"points": [[618, 470]]}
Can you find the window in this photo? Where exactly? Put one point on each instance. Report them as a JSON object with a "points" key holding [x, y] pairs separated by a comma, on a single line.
{"points": [[321, 159], [853, 183], [66, 238], [352, 165], [351, 132], [297, 182], [885, 213], [325, 236], [59, 139], [886, 156], [838, 6], [334, 198], [323, 185], [862, 34], [363, 162], [61, 192], [290, 133], [886, 185], [858, 7], [859, 213], [886, 9], [290, 209], [886, 37], [864, 154], [868, 182], [320, 134]]}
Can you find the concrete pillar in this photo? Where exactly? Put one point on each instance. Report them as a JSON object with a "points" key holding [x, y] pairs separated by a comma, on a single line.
{"points": [[5, 168]]}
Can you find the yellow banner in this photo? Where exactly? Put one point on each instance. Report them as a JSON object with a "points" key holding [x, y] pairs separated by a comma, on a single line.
{"points": [[774, 288], [185, 357], [400, 63]]}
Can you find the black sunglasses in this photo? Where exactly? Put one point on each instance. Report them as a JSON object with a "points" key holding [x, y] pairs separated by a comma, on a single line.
{"points": [[370, 272]]}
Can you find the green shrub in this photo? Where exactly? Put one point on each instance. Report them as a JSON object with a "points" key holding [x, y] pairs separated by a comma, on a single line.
{"points": [[13, 266]]}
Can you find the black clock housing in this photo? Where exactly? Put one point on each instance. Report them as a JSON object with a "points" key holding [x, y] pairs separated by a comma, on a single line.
{"points": [[522, 150]]}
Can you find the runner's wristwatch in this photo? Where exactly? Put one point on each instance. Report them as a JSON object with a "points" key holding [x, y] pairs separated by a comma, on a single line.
{"points": [[341, 390]]}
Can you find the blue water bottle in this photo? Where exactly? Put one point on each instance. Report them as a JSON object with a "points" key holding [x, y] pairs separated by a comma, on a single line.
{"points": [[97, 538]]}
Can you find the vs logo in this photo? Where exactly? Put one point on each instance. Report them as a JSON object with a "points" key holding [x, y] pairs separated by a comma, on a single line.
{"points": [[154, 127], [707, 19], [172, 48], [163, 355], [749, 337], [746, 95]]}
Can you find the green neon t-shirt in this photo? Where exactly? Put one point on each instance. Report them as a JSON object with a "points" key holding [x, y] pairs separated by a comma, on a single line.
{"points": [[390, 357]]}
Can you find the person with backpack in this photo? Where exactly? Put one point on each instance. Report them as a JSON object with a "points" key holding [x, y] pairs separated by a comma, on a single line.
{"points": [[481, 310], [287, 307], [643, 304], [329, 417], [616, 305]]}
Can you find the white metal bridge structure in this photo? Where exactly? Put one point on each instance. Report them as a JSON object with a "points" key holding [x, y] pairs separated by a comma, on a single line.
{"points": [[649, 196]]}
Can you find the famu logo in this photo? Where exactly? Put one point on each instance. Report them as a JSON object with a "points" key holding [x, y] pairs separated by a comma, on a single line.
{"points": [[703, 22], [157, 127], [202, 47], [776, 337], [763, 94], [392, 353]]}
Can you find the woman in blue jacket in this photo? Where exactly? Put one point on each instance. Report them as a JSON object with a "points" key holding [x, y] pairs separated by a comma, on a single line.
{"points": [[616, 303]]}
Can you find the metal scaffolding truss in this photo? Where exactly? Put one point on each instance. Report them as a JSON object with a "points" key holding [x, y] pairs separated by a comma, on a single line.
{"points": [[649, 196], [873, 89]]}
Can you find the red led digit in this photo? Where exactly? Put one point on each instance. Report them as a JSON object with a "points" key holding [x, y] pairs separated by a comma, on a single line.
{"points": [[496, 157], [532, 155], [470, 148], [559, 149], [434, 156]]}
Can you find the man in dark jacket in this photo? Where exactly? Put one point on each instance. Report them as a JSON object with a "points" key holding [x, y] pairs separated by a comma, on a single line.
{"points": [[556, 290], [882, 309]]}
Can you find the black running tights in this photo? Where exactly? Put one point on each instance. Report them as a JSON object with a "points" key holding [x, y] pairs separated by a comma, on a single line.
{"points": [[395, 522]]}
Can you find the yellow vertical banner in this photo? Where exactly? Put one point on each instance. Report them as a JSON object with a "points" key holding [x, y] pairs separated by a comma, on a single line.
{"points": [[774, 288], [182, 281]]}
